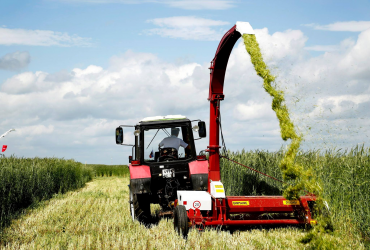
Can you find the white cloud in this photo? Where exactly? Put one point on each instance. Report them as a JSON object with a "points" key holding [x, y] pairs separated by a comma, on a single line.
{"points": [[74, 114], [281, 45], [328, 48], [186, 22], [343, 46], [198, 5], [325, 93], [26, 82], [352, 26], [35, 130], [40, 38], [339, 104], [188, 28], [182, 4], [348, 64], [15, 61], [253, 111]]}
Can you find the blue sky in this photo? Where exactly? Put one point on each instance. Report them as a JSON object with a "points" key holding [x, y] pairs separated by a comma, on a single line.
{"points": [[116, 27], [60, 38]]}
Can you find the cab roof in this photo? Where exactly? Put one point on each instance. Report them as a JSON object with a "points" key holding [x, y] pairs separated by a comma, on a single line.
{"points": [[164, 118]]}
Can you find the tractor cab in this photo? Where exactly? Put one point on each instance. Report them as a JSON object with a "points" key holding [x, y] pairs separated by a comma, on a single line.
{"points": [[164, 141], [163, 160]]}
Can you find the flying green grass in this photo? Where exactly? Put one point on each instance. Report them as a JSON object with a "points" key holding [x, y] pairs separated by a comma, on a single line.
{"points": [[292, 172], [297, 177]]}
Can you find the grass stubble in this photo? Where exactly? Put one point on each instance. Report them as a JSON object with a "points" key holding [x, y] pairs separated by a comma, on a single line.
{"points": [[97, 217]]}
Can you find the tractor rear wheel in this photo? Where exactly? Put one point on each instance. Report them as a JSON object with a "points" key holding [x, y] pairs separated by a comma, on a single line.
{"points": [[140, 207], [181, 221]]}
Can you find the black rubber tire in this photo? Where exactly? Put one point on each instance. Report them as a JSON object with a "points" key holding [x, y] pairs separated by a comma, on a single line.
{"points": [[181, 221], [140, 208]]}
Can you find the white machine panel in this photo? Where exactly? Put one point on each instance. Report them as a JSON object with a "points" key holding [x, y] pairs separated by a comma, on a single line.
{"points": [[244, 28], [217, 189], [195, 199]]}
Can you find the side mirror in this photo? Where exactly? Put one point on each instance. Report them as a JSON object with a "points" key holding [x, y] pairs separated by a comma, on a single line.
{"points": [[202, 129], [119, 135], [130, 159]]}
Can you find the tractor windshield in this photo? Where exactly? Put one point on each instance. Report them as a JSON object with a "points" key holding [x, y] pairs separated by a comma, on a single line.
{"points": [[167, 143]]}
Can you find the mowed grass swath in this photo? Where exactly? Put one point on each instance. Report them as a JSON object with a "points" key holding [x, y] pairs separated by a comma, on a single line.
{"points": [[345, 176], [24, 181]]}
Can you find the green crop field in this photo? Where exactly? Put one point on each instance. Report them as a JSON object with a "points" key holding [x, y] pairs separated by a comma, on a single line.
{"points": [[96, 215], [101, 170], [24, 181]]}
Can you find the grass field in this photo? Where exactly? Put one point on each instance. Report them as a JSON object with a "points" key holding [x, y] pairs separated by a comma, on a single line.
{"points": [[97, 217], [101, 170], [25, 181]]}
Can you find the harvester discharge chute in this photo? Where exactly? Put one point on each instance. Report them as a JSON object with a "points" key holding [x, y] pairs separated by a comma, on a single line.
{"points": [[212, 207]]}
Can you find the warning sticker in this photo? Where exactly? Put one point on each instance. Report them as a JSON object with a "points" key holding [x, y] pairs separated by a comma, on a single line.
{"points": [[196, 204], [220, 190], [291, 202], [219, 186], [240, 203]]}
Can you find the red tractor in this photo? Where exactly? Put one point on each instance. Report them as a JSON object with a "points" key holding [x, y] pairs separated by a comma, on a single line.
{"points": [[189, 186], [158, 171]]}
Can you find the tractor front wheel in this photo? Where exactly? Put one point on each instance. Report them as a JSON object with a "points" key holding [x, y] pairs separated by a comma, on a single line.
{"points": [[181, 221]]}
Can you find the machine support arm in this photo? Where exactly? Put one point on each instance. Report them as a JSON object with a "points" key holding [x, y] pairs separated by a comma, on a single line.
{"points": [[216, 95]]}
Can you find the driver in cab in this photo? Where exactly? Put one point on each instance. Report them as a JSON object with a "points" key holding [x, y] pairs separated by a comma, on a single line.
{"points": [[173, 141]]}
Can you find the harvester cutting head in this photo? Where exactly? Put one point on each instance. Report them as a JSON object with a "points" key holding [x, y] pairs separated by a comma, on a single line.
{"points": [[213, 207]]}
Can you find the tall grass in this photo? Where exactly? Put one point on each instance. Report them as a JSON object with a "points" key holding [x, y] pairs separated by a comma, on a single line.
{"points": [[25, 180], [239, 180], [343, 174], [109, 170]]}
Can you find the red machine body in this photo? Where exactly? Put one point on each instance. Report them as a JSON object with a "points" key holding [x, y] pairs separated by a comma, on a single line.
{"points": [[254, 211], [243, 210]]}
